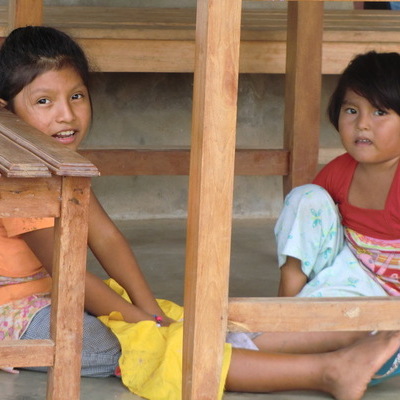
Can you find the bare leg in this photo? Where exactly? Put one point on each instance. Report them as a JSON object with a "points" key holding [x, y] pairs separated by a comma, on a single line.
{"points": [[344, 373], [306, 342], [292, 278]]}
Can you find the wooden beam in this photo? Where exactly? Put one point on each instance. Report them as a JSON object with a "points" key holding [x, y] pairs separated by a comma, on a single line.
{"points": [[176, 161], [303, 91], [210, 196], [285, 314], [24, 12], [26, 353], [30, 197], [68, 287]]}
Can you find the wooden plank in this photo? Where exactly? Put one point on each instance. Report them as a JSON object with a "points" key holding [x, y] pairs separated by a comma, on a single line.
{"points": [[29, 197], [303, 91], [162, 39], [24, 12], [285, 314], [17, 162], [133, 23], [26, 353], [57, 157], [210, 195], [176, 161], [68, 279], [140, 55]]}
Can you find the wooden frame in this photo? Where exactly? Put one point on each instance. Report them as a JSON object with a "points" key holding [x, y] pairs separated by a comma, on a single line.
{"points": [[163, 40], [42, 178]]}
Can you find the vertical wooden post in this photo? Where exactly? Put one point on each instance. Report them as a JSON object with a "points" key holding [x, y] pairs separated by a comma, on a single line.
{"points": [[68, 298], [24, 12], [210, 195], [303, 90]]}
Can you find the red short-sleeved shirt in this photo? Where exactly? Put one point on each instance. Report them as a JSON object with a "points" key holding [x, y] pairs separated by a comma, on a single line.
{"points": [[336, 178]]}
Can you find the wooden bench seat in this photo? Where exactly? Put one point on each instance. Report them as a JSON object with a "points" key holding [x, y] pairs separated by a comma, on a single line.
{"points": [[125, 39], [129, 39]]}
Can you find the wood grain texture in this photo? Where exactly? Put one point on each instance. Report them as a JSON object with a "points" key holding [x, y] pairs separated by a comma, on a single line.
{"points": [[162, 39], [314, 314], [58, 158], [210, 195]]}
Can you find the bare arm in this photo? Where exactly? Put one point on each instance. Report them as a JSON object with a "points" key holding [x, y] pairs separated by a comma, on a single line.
{"points": [[115, 255], [292, 278]]}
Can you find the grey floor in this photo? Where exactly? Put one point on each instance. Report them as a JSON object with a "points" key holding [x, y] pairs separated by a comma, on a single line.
{"points": [[159, 247]]}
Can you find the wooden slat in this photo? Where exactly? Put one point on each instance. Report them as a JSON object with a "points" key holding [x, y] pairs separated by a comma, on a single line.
{"points": [[26, 353], [176, 161], [258, 162], [140, 55], [285, 314], [59, 159], [30, 197], [16, 162], [164, 38]]}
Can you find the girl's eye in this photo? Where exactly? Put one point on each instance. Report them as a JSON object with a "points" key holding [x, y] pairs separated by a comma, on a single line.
{"points": [[380, 112], [43, 101], [350, 110], [77, 96]]}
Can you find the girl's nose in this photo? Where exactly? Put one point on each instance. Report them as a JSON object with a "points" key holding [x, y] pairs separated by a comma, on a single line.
{"points": [[65, 112], [363, 121]]}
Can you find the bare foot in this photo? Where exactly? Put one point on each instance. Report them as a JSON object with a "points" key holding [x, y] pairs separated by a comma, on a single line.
{"points": [[351, 369]]}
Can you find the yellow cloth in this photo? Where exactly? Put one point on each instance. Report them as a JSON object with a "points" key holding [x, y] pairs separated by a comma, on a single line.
{"points": [[151, 360]]}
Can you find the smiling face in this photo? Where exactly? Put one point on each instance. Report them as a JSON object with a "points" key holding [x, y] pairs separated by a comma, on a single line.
{"points": [[57, 103], [369, 134]]}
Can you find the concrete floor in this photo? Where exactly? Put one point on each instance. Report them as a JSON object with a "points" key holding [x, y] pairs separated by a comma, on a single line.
{"points": [[159, 246]]}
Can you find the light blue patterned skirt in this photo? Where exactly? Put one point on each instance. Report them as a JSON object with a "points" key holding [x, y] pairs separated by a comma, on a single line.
{"points": [[309, 229]]}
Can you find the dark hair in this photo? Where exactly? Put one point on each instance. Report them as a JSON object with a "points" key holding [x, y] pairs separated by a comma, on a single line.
{"points": [[30, 51], [374, 76]]}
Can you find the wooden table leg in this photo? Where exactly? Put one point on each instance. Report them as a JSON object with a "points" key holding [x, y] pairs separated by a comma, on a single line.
{"points": [[303, 90], [68, 289], [210, 195]]}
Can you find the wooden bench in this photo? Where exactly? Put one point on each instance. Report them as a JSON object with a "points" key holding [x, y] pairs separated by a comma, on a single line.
{"points": [[42, 178], [128, 39]]}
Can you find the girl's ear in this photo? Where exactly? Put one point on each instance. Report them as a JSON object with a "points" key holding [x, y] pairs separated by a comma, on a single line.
{"points": [[3, 103]]}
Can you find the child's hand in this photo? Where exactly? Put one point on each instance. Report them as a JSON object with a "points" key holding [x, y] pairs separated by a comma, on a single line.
{"points": [[163, 320], [167, 321]]}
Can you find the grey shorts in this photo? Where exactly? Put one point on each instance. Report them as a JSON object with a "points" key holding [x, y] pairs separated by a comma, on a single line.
{"points": [[101, 349]]}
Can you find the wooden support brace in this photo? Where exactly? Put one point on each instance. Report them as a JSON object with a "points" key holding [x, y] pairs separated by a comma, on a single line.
{"points": [[24, 12], [210, 195]]}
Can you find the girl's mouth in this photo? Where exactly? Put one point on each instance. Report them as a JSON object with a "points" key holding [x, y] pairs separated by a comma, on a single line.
{"points": [[65, 137], [363, 141]]}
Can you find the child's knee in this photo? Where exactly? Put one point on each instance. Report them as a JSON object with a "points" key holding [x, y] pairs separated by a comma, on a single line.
{"points": [[308, 195], [307, 191]]}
